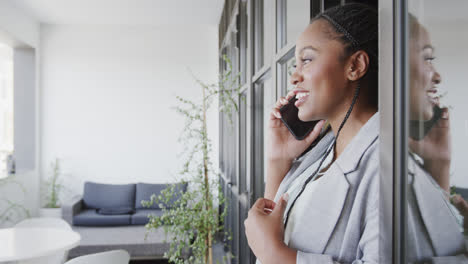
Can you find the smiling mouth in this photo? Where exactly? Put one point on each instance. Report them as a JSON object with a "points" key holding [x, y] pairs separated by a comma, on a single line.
{"points": [[433, 95], [301, 98]]}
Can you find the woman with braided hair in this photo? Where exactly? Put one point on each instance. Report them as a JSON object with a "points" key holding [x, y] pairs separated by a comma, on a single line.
{"points": [[323, 206]]}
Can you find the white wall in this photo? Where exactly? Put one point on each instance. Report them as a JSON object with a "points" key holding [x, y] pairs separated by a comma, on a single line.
{"points": [[107, 93], [18, 26], [21, 32]]}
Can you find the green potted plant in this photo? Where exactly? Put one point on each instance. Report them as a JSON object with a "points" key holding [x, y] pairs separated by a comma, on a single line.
{"points": [[194, 218], [51, 191]]}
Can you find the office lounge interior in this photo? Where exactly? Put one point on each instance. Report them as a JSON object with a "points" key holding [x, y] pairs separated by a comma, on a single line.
{"points": [[93, 97]]}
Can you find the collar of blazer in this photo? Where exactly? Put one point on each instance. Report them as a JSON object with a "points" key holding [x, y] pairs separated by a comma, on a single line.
{"points": [[348, 160], [329, 212], [354, 151], [440, 224]]}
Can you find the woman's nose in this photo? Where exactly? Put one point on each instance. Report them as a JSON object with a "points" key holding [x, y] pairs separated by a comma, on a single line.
{"points": [[296, 78]]}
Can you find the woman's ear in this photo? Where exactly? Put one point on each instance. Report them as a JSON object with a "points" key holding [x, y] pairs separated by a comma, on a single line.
{"points": [[358, 64]]}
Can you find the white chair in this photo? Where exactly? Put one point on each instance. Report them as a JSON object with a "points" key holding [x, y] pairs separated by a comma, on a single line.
{"points": [[109, 257], [48, 222]]}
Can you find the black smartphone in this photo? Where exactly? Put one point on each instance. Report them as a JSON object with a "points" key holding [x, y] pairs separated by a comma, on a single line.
{"points": [[290, 118], [419, 129]]}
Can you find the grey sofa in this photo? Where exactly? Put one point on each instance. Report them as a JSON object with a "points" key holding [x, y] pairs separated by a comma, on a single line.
{"points": [[115, 205], [126, 231]]}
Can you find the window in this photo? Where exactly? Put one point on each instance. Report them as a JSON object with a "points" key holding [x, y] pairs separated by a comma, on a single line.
{"points": [[264, 33], [292, 18], [6, 108]]}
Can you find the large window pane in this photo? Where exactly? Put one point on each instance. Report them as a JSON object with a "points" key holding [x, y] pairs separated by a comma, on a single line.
{"points": [[285, 70], [6, 107], [268, 31], [258, 186], [438, 130], [264, 100], [297, 18], [265, 97], [242, 34], [293, 18], [269, 98], [243, 143], [264, 33]]}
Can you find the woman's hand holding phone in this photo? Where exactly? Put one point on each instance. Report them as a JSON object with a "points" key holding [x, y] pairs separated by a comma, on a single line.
{"points": [[435, 149], [282, 145]]}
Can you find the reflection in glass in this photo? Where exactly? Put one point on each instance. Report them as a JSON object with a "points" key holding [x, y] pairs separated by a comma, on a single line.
{"points": [[285, 70], [289, 71], [435, 215]]}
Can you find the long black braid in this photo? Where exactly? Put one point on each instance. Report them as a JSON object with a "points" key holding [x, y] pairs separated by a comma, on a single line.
{"points": [[349, 21]]}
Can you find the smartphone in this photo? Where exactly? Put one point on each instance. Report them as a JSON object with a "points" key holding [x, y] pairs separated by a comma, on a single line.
{"points": [[298, 128], [418, 129]]}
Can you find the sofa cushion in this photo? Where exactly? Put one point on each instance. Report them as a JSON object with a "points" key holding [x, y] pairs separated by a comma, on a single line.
{"points": [[140, 217], [145, 190], [89, 217], [98, 195], [115, 211]]}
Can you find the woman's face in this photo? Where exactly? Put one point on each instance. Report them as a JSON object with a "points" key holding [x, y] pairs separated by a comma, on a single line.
{"points": [[319, 77], [423, 76]]}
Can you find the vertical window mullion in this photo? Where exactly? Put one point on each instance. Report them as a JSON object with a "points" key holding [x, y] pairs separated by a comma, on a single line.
{"points": [[400, 131]]}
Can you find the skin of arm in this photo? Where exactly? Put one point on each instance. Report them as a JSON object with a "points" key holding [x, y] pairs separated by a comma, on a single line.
{"points": [[277, 170]]}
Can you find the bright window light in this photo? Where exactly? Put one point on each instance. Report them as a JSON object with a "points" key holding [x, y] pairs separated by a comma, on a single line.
{"points": [[6, 107]]}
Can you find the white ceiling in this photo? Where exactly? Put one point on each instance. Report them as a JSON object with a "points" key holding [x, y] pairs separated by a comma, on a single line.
{"points": [[123, 12]]}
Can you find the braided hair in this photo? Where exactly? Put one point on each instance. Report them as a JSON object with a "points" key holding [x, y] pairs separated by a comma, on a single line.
{"points": [[355, 25]]}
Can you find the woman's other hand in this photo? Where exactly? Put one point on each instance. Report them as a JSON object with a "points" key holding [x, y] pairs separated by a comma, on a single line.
{"points": [[282, 146], [462, 207], [265, 232]]}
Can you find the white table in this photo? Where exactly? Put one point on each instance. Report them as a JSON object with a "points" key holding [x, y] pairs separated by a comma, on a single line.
{"points": [[18, 244]]}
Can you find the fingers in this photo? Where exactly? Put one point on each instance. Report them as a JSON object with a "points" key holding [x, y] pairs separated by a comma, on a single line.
{"points": [[444, 121], [460, 204], [281, 205], [290, 95], [264, 205], [282, 101], [315, 132], [414, 145]]}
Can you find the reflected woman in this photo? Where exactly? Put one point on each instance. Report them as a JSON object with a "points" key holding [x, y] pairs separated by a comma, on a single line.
{"points": [[434, 234], [323, 206]]}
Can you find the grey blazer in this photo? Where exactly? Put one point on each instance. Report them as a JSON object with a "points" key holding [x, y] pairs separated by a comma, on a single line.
{"points": [[342, 224], [434, 235]]}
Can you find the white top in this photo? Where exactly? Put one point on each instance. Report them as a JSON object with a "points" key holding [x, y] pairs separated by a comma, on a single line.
{"points": [[26, 243], [301, 204]]}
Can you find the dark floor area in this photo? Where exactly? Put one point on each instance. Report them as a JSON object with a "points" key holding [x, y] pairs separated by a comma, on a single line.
{"points": [[149, 262], [218, 253]]}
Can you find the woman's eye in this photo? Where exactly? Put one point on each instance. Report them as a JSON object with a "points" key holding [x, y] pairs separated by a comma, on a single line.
{"points": [[429, 59], [306, 60]]}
